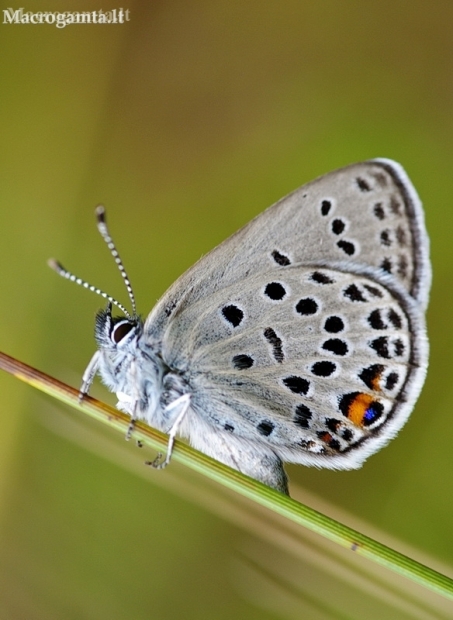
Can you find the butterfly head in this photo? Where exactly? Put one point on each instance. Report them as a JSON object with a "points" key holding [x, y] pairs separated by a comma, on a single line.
{"points": [[116, 332], [116, 336]]}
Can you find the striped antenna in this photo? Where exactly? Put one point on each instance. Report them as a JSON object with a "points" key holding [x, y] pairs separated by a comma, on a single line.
{"points": [[58, 267], [102, 227]]}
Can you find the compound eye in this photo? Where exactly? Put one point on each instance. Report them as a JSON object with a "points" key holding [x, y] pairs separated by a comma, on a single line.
{"points": [[120, 331]]}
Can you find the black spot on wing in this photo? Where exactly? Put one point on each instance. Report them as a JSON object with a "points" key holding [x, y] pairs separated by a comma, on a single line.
{"points": [[170, 307], [333, 424], [306, 306], [353, 293], [394, 318], [242, 361], [385, 238], [338, 226], [335, 346], [321, 278], [275, 291], [375, 320], [233, 314], [378, 211], [375, 292], [363, 185], [347, 434], [334, 324], [323, 369], [347, 246], [402, 266], [326, 205], [395, 205], [391, 380], [399, 347], [281, 259], [401, 236], [381, 346], [276, 344], [297, 385], [303, 416], [265, 427]]}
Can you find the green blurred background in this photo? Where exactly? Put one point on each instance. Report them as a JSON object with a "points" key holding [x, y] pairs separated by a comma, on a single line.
{"points": [[186, 122]]}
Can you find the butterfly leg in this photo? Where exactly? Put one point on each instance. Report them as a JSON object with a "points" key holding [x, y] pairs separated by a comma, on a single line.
{"points": [[130, 428], [88, 375], [128, 404], [181, 406]]}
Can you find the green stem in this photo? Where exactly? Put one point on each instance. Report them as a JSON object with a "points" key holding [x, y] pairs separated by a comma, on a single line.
{"points": [[260, 493]]}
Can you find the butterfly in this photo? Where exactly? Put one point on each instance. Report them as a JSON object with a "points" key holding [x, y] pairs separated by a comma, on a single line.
{"points": [[300, 339]]}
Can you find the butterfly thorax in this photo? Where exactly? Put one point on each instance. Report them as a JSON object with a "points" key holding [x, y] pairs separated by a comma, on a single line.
{"points": [[134, 370]]}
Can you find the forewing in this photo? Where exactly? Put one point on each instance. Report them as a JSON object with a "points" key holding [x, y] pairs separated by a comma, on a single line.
{"points": [[366, 214]]}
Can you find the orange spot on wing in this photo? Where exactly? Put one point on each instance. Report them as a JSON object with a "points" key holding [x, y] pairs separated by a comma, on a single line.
{"points": [[358, 407], [376, 382]]}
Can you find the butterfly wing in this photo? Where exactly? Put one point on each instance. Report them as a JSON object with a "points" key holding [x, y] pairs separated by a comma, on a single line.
{"points": [[320, 364], [304, 331], [366, 214]]}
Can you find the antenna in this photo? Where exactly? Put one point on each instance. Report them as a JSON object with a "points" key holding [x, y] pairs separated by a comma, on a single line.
{"points": [[102, 227]]}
